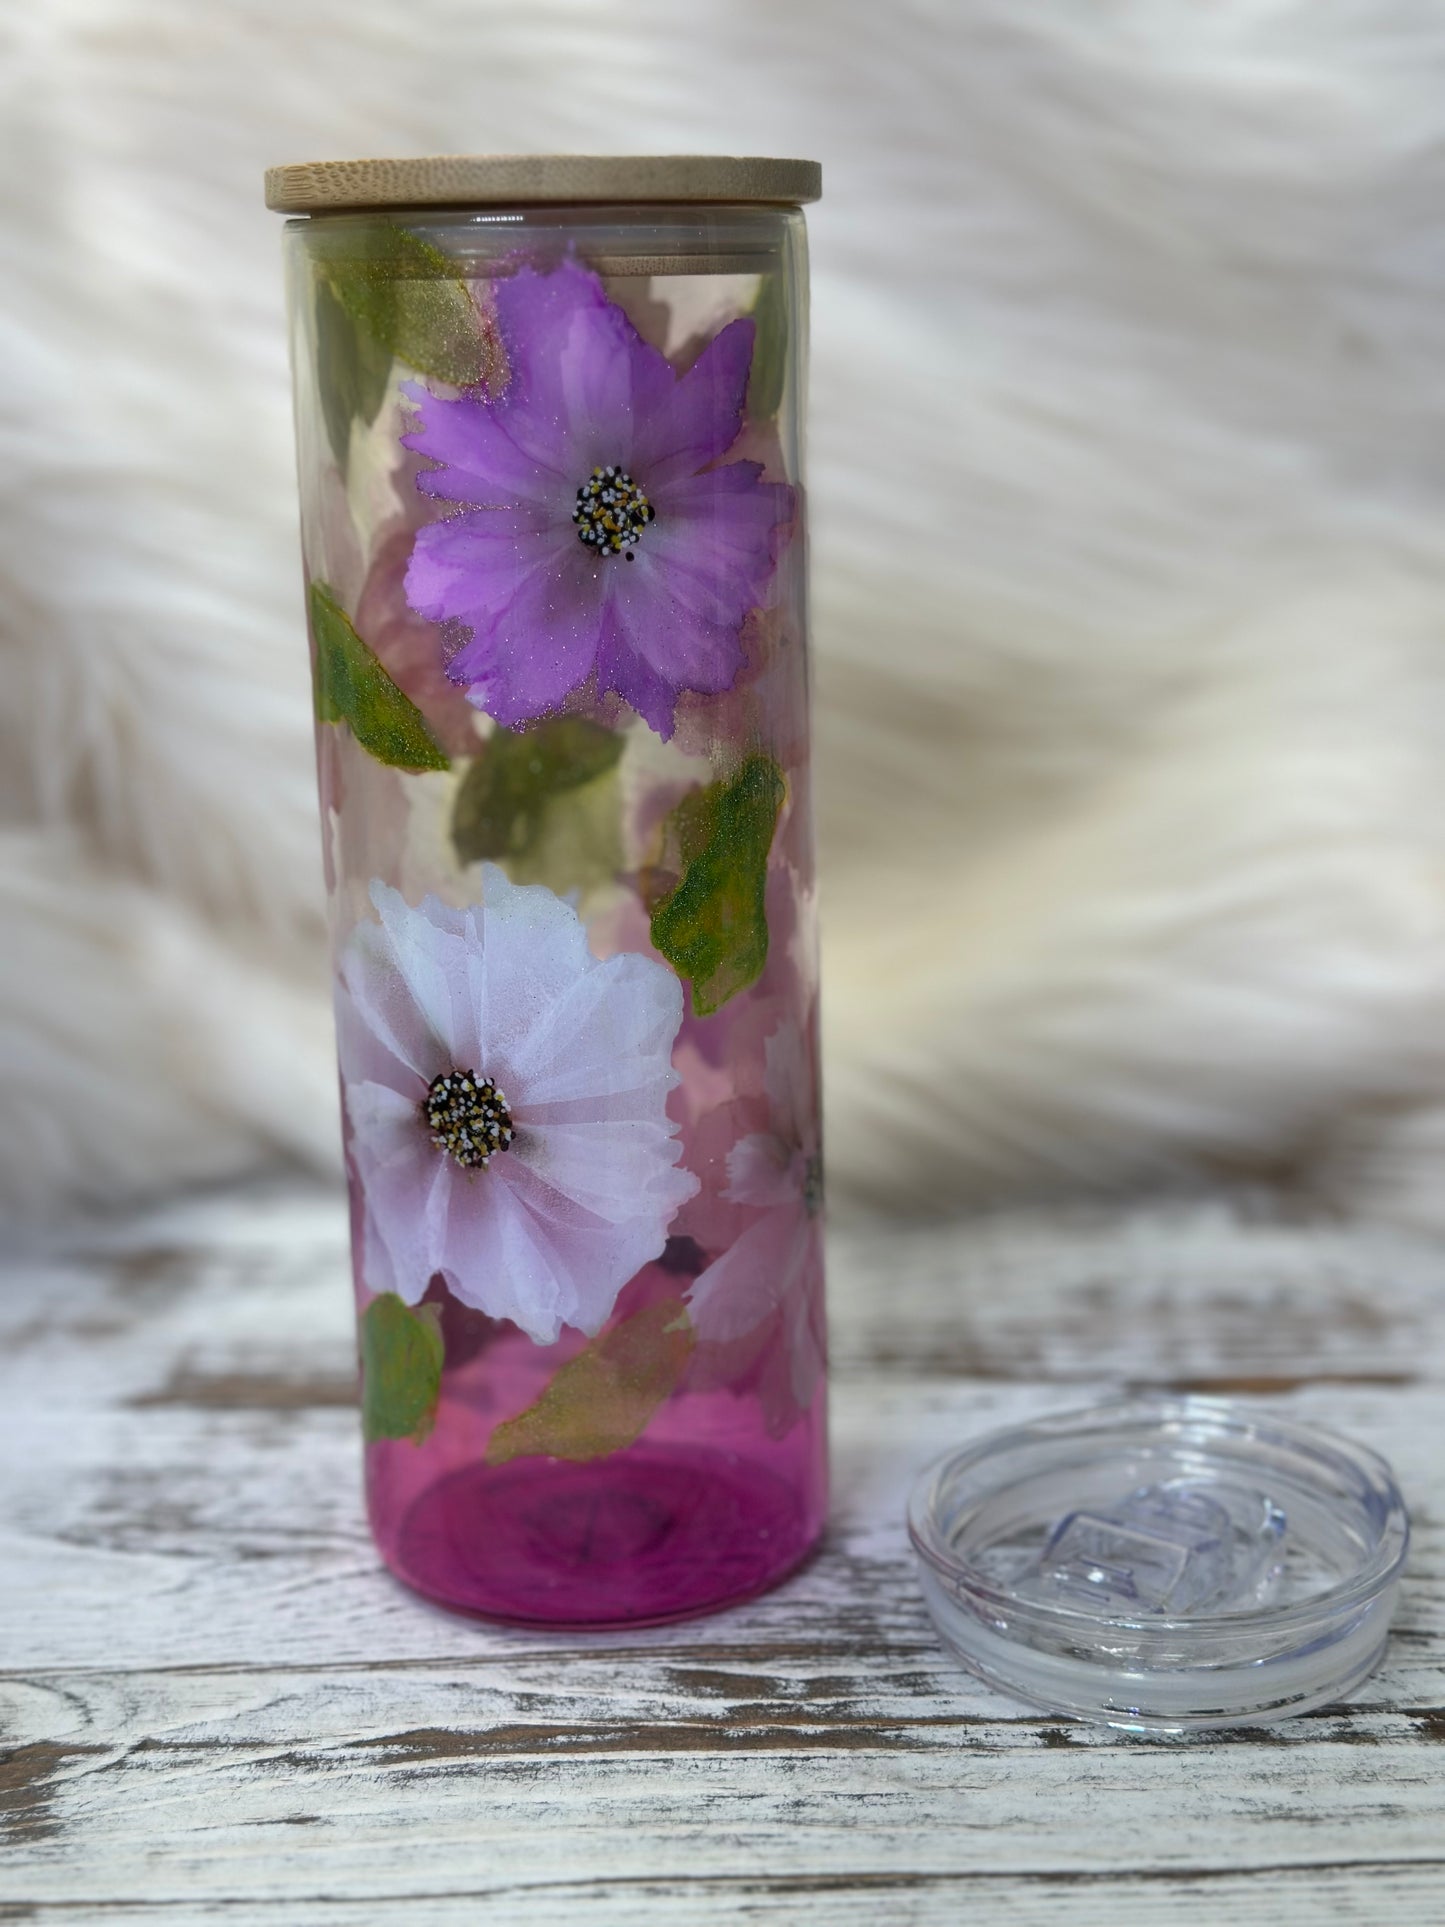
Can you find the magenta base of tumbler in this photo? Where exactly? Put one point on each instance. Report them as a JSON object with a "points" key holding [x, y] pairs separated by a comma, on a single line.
{"points": [[722, 1496], [653, 1534]]}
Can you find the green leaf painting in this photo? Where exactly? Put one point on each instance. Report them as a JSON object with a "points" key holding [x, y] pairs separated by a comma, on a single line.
{"points": [[408, 298], [770, 348], [401, 1369], [353, 688], [352, 369], [543, 802], [713, 928], [602, 1400]]}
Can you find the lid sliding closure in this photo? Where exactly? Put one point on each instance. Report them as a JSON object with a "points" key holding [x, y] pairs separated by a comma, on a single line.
{"points": [[542, 180]]}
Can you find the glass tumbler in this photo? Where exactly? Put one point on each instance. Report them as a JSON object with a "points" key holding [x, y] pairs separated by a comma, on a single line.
{"points": [[549, 425]]}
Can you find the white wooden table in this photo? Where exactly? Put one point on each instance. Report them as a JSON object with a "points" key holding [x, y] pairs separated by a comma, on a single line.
{"points": [[216, 1706]]}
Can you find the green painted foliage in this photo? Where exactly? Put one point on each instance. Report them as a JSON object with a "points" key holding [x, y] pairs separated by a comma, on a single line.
{"points": [[407, 298], [602, 1400], [713, 927], [401, 1369], [353, 688], [543, 802], [383, 296], [770, 348], [352, 370]]}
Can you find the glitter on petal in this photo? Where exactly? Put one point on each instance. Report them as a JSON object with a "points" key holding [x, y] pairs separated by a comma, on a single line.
{"points": [[593, 533]]}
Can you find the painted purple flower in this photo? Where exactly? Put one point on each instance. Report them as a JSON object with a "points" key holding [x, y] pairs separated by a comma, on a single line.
{"points": [[597, 537], [507, 1097]]}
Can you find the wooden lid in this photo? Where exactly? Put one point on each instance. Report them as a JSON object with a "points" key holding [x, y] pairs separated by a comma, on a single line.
{"points": [[536, 180]]}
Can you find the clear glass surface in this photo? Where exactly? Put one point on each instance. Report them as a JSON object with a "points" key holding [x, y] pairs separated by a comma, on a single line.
{"points": [[1163, 1565], [554, 534]]}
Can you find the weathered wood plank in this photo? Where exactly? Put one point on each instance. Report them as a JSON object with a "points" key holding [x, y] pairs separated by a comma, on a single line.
{"points": [[245, 1303], [407, 1811], [1204, 1295], [218, 1537], [773, 1737], [1280, 1897], [214, 1704], [1277, 1897]]}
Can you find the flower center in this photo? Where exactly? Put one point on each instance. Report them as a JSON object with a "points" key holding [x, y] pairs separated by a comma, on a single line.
{"points": [[611, 512], [467, 1116]]}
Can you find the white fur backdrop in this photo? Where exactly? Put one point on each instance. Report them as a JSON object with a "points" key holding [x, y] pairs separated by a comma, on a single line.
{"points": [[1128, 466]]}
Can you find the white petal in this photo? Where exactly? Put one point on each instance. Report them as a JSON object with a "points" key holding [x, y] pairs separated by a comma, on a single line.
{"points": [[533, 1285], [473, 1257], [378, 1274], [805, 1325], [550, 1232], [788, 1078], [375, 1111], [761, 1171], [755, 1275], [429, 951], [612, 1033], [559, 1263], [377, 1018], [533, 950], [408, 1195], [616, 1169], [504, 1257]]}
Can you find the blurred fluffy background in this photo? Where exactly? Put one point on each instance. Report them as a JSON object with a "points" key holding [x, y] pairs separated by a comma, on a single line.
{"points": [[1128, 469]]}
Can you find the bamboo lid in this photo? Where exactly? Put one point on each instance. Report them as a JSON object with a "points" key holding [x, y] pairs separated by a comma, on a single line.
{"points": [[537, 180]]}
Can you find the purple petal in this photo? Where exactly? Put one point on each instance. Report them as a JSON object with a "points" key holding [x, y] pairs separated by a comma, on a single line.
{"points": [[646, 654], [717, 536], [480, 461], [468, 568], [701, 416], [581, 375], [585, 391], [535, 313], [530, 651], [674, 615], [596, 393], [531, 597]]}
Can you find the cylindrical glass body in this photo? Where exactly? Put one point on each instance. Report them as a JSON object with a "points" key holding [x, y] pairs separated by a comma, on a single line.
{"points": [[554, 541]]}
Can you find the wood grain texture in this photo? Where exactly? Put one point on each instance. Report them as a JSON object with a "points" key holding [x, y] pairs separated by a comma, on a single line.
{"points": [[214, 1704], [529, 180]]}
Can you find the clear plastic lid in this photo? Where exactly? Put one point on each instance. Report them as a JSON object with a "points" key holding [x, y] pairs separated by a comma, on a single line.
{"points": [[1163, 1565]]}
